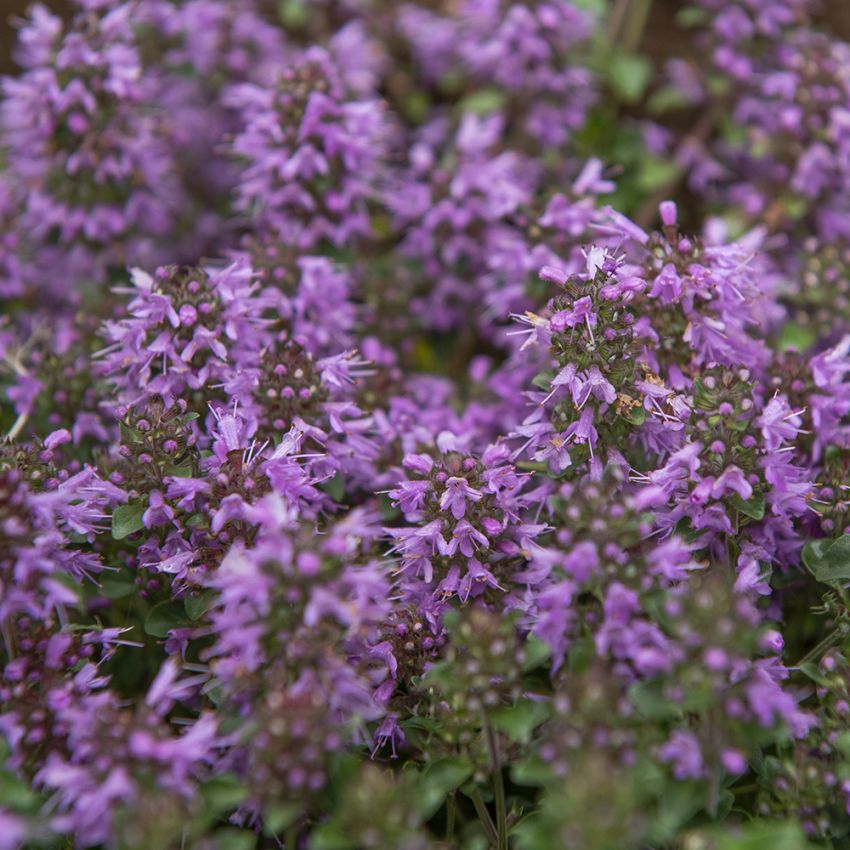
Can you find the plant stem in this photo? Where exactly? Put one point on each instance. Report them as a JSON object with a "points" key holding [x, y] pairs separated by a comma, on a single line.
{"points": [[822, 647], [498, 790], [484, 816], [745, 789], [615, 21], [18, 426], [627, 22], [451, 816], [635, 24]]}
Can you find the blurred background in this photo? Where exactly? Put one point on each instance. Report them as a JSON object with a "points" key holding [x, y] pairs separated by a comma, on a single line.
{"points": [[658, 39], [9, 11]]}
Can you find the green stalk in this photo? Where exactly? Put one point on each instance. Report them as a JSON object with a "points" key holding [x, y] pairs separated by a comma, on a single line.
{"points": [[616, 18], [484, 816], [823, 646], [498, 791], [451, 817], [635, 24], [290, 839]]}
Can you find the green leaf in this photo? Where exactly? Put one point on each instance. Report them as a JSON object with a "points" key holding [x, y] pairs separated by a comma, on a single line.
{"points": [[765, 836], [596, 7], [519, 721], [426, 724], [648, 699], [543, 381], [416, 107], [794, 337], [224, 793], [666, 99], [532, 465], [278, 816], [230, 838], [837, 555], [582, 652], [328, 836], [116, 589], [345, 769], [184, 471], [198, 603], [679, 803], [483, 102], [533, 771], [795, 207], [843, 743], [292, 13], [691, 16], [725, 801], [635, 415], [14, 794], [439, 779], [752, 507], [424, 357], [388, 511], [533, 833], [335, 487], [813, 672], [629, 76], [164, 617], [537, 653], [447, 773], [813, 554], [127, 519], [828, 560], [655, 173]]}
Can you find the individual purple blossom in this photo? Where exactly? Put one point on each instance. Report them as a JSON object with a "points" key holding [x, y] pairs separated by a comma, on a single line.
{"points": [[683, 752], [456, 494]]}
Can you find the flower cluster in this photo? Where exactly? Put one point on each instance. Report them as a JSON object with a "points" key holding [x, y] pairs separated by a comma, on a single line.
{"points": [[418, 431], [92, 166], [311, 155], [467, 516]]}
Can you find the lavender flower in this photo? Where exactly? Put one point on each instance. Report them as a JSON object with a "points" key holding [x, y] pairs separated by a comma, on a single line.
{"points": [[311, 156], [94, 176]]}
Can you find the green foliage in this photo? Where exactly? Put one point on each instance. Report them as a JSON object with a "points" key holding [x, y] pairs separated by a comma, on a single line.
{"points": [[756, 835], [127, 519], [629, 76], [752, 507], [828, 560], [165, 616]]}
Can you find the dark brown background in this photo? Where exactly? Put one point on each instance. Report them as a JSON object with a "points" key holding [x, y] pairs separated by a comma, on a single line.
{"points": [[9, 10], [660, 37]]}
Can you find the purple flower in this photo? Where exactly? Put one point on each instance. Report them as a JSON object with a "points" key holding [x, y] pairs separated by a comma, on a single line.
{"points": [[683, 752], [466, 539], [457, 494], [286, 161]]}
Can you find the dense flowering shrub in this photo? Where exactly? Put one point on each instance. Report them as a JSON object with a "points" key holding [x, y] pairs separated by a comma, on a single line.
{"points": [[425, 424]]}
